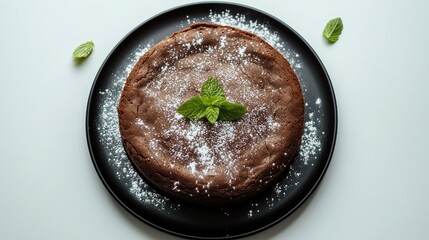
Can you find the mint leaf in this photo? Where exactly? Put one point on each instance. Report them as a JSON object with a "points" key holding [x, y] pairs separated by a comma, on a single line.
{"points": [[231, 111], [211, 104], [212, 113], [194, 108], [212, 100], [211, 87], [83, 50], [333, 29]]}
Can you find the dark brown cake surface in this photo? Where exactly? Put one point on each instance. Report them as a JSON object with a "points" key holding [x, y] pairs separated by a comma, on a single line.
{"points": [[195, 160]]}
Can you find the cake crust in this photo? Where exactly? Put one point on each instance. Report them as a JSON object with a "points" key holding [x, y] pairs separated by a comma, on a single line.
{"points": [[197, 161]]}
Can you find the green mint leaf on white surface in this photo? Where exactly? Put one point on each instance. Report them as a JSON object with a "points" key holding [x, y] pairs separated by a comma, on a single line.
{"points": [[333, 29], [211, 104], [83, 50], [194, 108]]}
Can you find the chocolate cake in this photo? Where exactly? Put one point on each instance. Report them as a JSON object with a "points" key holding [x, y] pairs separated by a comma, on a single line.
{"points": [[198, 161]]}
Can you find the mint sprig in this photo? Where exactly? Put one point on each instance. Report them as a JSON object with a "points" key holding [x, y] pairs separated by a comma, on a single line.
{"points": [[211, 104]]}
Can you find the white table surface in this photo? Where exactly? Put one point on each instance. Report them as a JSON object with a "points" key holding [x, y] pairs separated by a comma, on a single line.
{"points": [[375, 188]]}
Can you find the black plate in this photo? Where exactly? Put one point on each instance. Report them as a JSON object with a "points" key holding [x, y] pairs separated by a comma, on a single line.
{"points": [[186, 220]]}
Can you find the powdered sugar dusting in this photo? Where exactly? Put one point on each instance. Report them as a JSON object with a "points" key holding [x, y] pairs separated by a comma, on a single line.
{"points": [[110, 136], [203, 145], [310, 140], [111, 140], [260, 29]]}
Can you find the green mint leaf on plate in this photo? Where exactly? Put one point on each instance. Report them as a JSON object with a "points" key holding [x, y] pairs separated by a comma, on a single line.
{"points": [[212, 112], [211, 87], [83, 50], [194, 108], [231, 111], [333, 29], [211, 104]]}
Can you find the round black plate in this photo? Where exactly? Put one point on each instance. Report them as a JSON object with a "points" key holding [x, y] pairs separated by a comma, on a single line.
{"points": [[193, 221]]}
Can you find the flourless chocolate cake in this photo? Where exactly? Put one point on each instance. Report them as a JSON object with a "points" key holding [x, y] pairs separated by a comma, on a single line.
{"points": [[198, 161]]}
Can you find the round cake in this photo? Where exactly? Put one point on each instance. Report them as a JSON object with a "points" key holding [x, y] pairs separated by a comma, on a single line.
{"points": [[201, 162]]}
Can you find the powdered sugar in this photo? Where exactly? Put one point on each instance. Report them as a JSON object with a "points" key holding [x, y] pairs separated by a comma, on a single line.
{"points": [[310, 140], [111, 140], [189, 142], [208, 146], [110, 136]]}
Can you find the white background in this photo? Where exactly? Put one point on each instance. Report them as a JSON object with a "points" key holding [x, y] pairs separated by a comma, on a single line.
{"points": [[375, 188]]}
